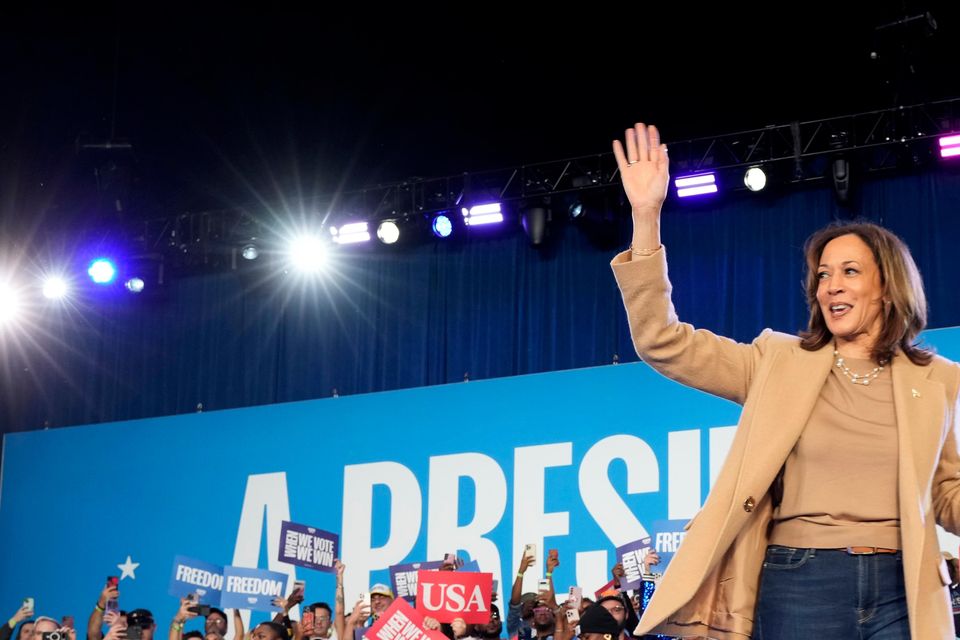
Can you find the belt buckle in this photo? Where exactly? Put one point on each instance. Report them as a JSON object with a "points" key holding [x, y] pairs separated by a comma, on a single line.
{"points": [[853, 551]]}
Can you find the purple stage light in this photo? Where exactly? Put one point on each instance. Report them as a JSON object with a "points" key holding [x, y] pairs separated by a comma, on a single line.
{"points": [[700, 184], [483, 214], [950, 146]]}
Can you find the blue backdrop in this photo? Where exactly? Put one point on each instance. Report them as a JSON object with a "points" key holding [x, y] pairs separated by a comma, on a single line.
{"points": [[581, 461]]}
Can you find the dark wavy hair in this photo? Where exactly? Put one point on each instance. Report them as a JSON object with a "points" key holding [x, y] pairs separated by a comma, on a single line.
{"points": [[905, 304]]}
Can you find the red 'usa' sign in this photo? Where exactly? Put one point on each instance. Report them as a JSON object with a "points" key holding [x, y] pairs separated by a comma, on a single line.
{"points": [[448, 595], [401, 622]]}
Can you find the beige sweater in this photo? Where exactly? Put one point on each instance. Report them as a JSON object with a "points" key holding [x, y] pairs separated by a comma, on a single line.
{"points": [[840, 480]]}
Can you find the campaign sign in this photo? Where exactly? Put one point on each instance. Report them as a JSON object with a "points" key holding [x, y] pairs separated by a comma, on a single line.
{"points": [[196, 576], [403, 578], [255, 589], [401, 622], [609, 589], [631, 556], [308, 547], [448, 595], [667, 536]]}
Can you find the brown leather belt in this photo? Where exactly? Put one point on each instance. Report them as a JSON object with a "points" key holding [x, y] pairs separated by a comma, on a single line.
{"points": [[867, 551]]}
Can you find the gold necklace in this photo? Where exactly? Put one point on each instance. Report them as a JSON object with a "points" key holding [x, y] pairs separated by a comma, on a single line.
{"points": [[856, 378]]}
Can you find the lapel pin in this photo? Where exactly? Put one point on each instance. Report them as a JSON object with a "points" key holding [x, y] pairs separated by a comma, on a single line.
{"points": [[916, 394]]}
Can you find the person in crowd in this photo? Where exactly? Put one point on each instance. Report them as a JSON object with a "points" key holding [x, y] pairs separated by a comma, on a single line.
{"points": [[22, 617], [213, 628], [45, 624], [109, 593], [597, 623], [521, 607], [269, 631], [216, 622], [322, 627]]}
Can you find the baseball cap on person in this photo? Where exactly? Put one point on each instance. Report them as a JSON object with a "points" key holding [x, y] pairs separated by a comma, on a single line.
{"points": [[381, 589], [596, 619]]}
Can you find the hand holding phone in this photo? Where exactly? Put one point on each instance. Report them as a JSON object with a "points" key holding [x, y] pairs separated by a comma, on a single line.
{"points": [[111, 594], [307, 622]]}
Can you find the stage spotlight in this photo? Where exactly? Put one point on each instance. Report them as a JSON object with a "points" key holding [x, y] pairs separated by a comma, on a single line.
{"points": [[696, 185], [134, 285], [250, 251], [102, 271], [308, 254], [9, 303], [534, 220], [54, 288], [755, 179], [575, 209], [351, 233], [483, 214], [388, 232], [950, 146], [840, 172], [442, 226]]}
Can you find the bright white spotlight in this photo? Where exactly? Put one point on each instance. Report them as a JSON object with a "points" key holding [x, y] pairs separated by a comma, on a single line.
{"points": [[134, 285], [388, 232], [250, 251], [9, 303], [755, 179], [54, 288], [308, 254], [351, 233]]}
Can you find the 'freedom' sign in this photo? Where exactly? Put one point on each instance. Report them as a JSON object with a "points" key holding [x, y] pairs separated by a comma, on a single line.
{"points": [[196, 576], [401, 622], [667, 536], [251, 589], [403, 577], [631, 557], [448, 595], [308, 547]]}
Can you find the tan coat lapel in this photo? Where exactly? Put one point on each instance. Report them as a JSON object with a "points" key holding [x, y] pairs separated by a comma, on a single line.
{"points": [[919, 405]]}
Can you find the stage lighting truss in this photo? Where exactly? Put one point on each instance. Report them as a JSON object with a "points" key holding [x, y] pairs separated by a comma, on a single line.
{"points": [[792, 153]]}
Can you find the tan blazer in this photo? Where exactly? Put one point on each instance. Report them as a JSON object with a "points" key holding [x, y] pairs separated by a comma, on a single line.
{"points": [[710, 587]]}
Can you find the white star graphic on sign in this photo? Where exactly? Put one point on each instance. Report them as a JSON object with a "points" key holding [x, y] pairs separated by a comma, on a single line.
{"points": [[127, 569]]}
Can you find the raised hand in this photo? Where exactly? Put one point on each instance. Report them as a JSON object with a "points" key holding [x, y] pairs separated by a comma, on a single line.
{"points": [[526, 562], [644, 170]]}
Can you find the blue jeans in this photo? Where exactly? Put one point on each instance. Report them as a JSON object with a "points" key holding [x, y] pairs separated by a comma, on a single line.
{"points": [[828, 594]]}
